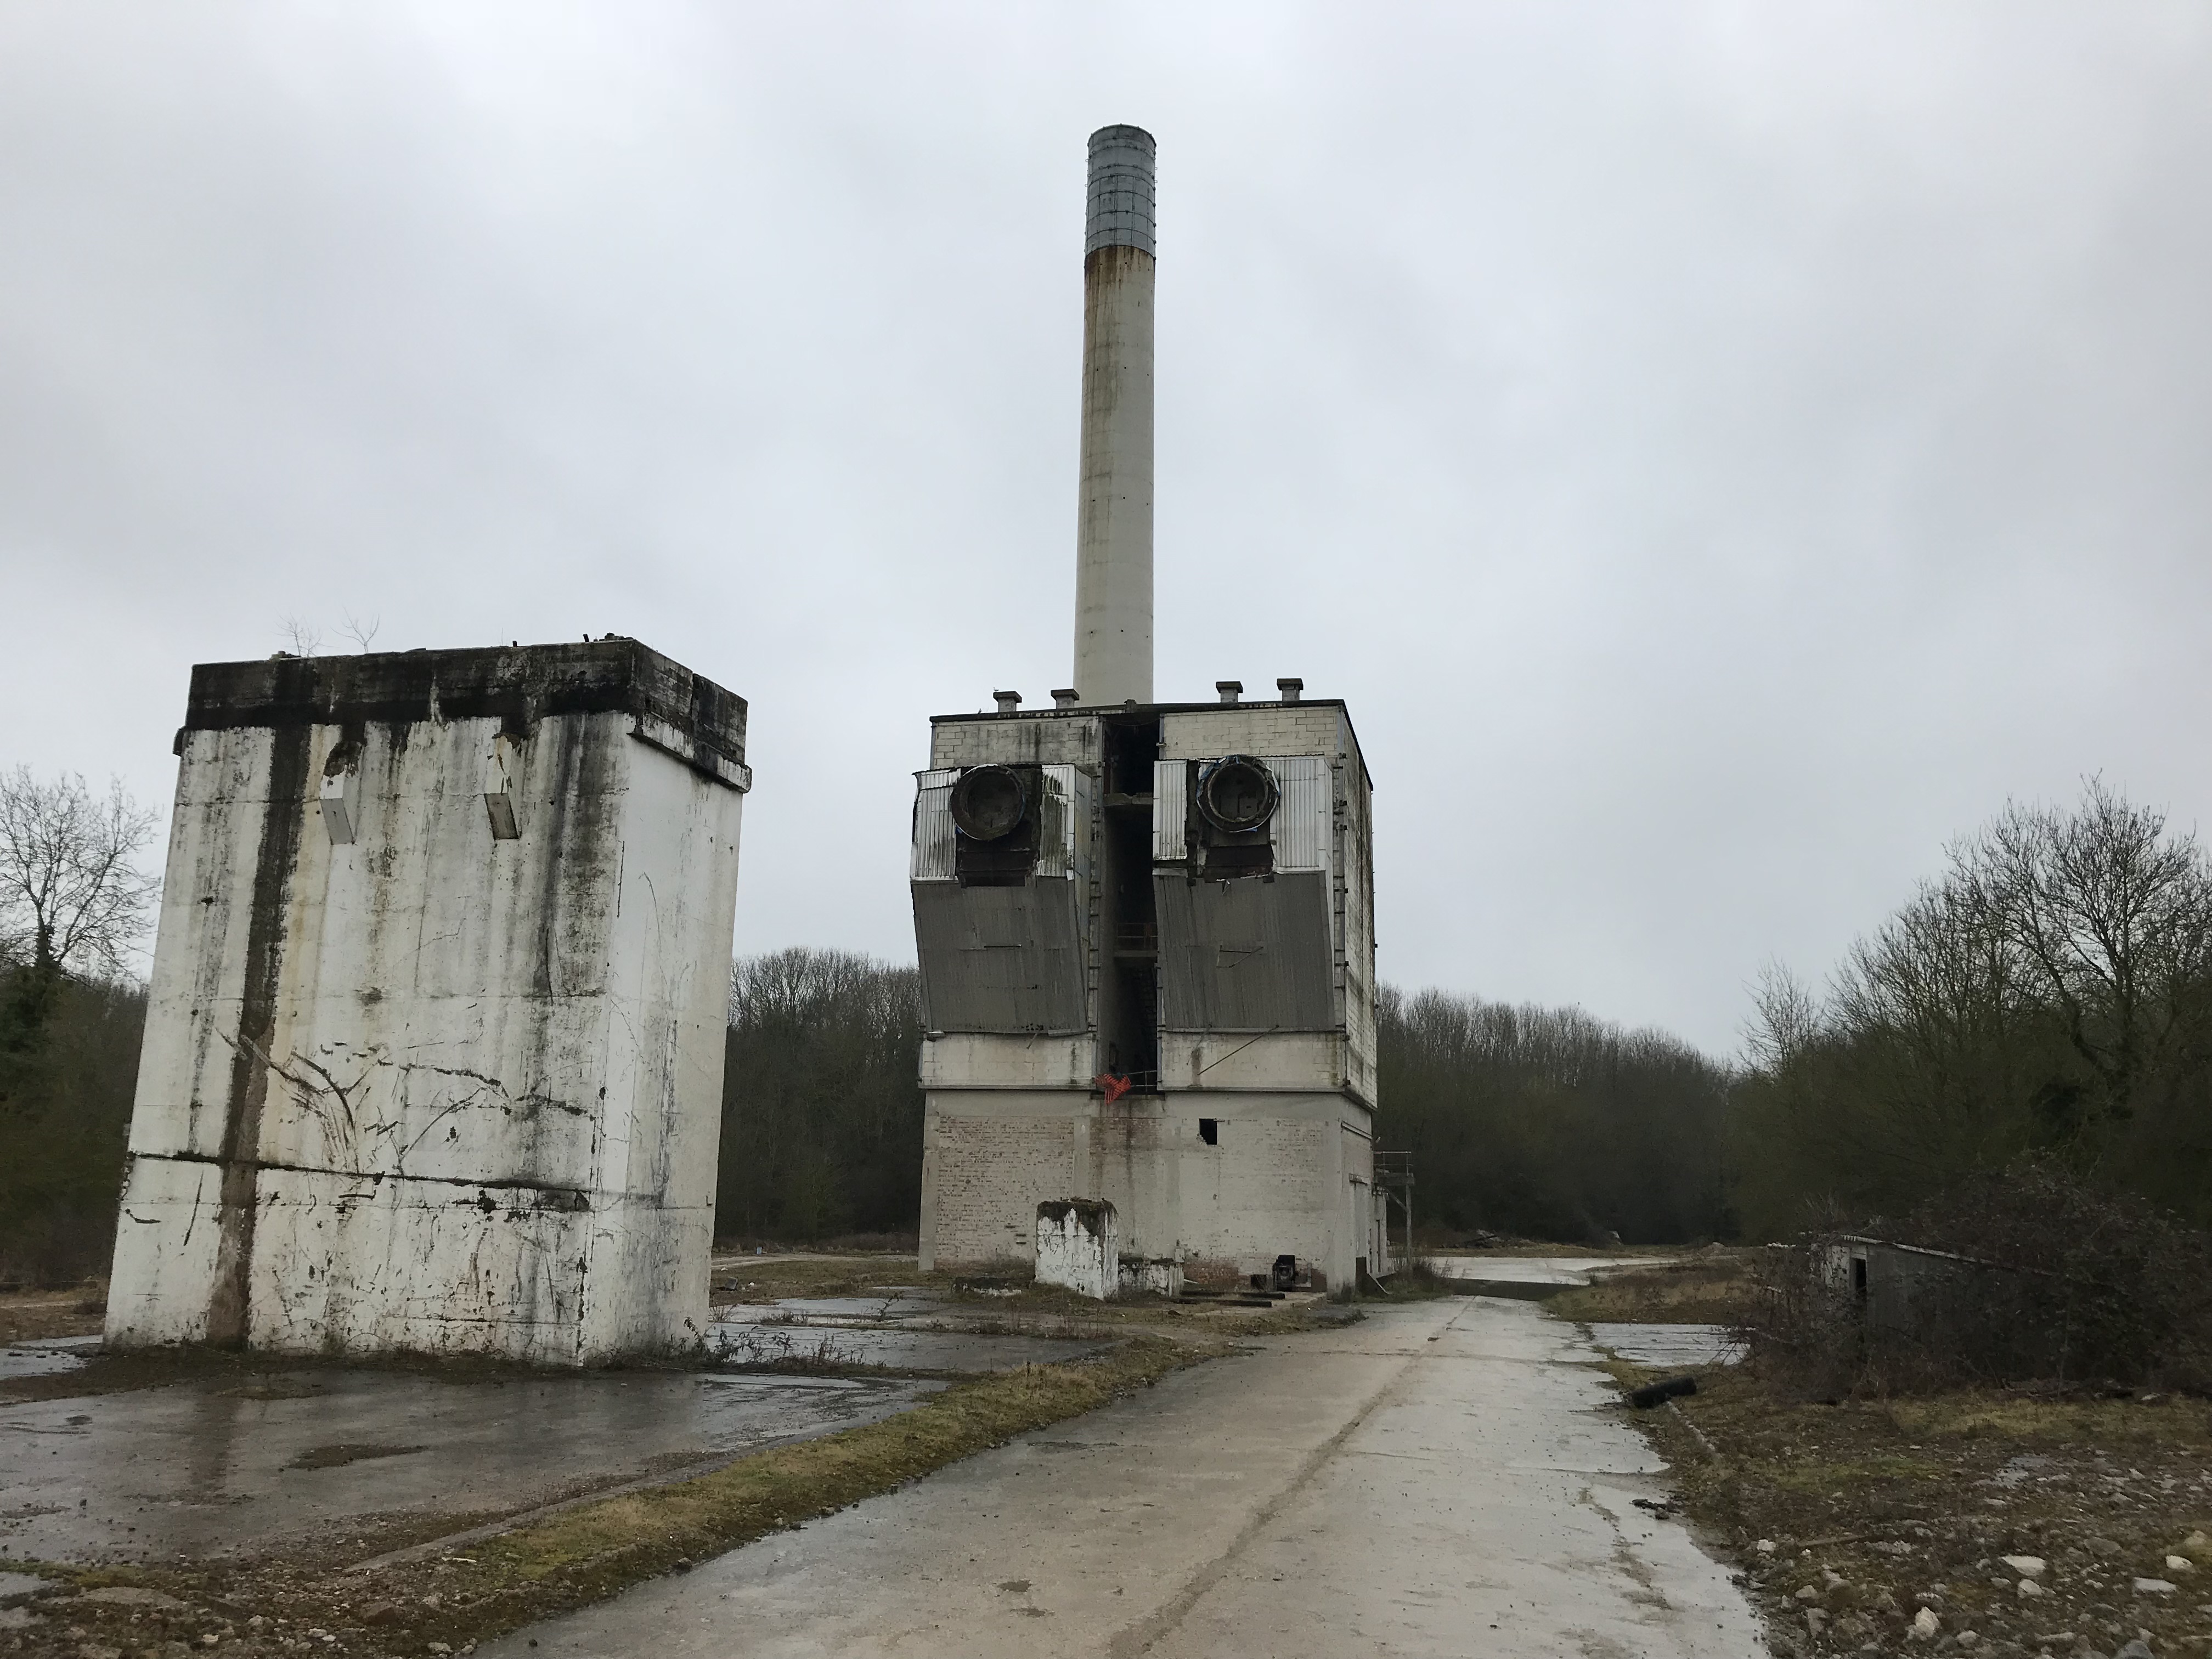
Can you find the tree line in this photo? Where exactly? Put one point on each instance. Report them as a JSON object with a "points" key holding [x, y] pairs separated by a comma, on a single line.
{"points": [[2045, 998]]}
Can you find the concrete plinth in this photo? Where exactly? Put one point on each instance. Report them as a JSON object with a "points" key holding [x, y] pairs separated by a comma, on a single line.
{"points": [[1079, 1247]]}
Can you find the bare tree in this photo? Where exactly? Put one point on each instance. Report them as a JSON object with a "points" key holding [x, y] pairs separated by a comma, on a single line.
{"points": [[303, 637], [2109, 918], [359, 632], [71, 895], [1785, 1016]]}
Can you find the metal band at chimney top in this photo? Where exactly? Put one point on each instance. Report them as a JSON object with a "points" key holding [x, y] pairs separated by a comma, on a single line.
{"points": [[1121, 190], [1114, 532]]}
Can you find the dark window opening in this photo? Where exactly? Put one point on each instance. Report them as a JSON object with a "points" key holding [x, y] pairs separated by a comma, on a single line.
{"points": [[1132, 746], [1209, 1131], [1859, 1277], [1129, 995]]}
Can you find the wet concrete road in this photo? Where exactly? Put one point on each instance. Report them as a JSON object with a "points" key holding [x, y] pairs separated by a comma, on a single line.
{"points": [[1446, 1478], [204, 1469], [1561, 1270]]}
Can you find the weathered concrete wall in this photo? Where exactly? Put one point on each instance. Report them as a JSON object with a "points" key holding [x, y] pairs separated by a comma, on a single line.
{"points": [[1079, 1247], [1035, 737], [1150, 1276], [439, 1068], [1278, 1178]]}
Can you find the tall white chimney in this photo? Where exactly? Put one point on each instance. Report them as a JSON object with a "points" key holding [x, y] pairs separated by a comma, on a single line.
{"points": [[1113, 529]]}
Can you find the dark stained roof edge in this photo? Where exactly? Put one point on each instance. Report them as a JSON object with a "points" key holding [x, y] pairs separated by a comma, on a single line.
{"points": [[1100, 710], [525, 683]]}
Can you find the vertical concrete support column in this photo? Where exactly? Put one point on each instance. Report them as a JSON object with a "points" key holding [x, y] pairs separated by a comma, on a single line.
{"points": [[1113, 534]]}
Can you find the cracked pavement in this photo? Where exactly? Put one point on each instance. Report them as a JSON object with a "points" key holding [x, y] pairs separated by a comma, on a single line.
{"points": [[1449, 1477]]}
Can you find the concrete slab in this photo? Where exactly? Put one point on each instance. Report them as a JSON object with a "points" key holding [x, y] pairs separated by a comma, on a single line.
{"points": [[746, 1343], [1670, 1346], [208, 1468], [1446, 1478], [829, 1309]]}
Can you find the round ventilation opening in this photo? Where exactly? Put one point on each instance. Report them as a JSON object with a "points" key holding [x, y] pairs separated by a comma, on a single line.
{"points": [[989, 802], [1237, 793]]}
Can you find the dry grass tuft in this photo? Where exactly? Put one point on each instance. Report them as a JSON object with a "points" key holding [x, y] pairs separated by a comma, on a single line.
{"points": [[1714, 1287]]}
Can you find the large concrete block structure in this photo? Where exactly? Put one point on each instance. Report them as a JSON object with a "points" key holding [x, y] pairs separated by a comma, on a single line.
{"points": [[1146, 929], [434, 1051]]}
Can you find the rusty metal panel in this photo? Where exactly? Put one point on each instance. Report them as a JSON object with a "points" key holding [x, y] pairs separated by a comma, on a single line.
{"points": [[1170, 811], [1301, 830], [1003, 959], [1249, 955], [934, 832]]}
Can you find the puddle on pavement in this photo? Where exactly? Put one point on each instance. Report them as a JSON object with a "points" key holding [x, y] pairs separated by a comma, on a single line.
{"points": [[1661, 1347], [193, 1467], [46, 1356]]}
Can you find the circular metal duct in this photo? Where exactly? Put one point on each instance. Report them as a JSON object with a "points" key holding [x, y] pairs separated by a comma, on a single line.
{"points": [[1237, 793], [989, 802]]}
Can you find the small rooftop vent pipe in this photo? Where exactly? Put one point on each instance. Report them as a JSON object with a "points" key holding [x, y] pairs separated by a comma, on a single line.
{"points": [[1114, 522], [1290, 688], [1230, 689], [1066, 697], [1008, 701]]}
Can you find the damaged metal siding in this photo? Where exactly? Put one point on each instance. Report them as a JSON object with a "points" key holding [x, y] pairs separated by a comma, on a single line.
{"points": [[1013, 961], [1301, 831], [1004, 959], [1065, 822], [1172, 811], [935, 837], [1249, 955]]}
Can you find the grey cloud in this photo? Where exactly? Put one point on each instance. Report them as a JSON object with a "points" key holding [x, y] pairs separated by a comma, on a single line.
{"points": [[1720, 451]]}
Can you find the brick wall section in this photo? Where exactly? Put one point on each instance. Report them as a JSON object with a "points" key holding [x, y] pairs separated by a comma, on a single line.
{"points": [[991, 1175], [1273, 1185], [1024, 740], [1253, 728]]}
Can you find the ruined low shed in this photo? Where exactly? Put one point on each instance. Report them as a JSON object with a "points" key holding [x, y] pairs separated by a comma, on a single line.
{"points": [[434, 1050]]}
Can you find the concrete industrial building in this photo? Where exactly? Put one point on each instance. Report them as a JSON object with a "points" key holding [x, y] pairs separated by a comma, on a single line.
{"points": [[434, 1050], [1146, 929]]}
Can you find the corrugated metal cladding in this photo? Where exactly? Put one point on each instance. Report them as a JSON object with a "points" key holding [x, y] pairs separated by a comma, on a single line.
{"points": [[934, 831], [1065, 822], [1001, 959], [1064, 814], [1170, 811], [1246, 955], [1302, 829]]}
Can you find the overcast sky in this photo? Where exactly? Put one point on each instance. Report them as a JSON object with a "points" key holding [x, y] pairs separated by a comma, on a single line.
{"points": [[1720, 451]]}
